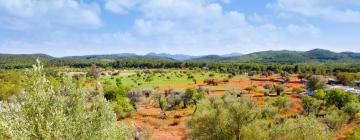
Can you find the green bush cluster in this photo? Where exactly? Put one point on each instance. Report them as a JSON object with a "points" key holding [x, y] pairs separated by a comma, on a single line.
{"points": [[67, 112]]}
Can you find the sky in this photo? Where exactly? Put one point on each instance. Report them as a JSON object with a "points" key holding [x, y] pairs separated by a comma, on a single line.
{"points": [[193, 27]]}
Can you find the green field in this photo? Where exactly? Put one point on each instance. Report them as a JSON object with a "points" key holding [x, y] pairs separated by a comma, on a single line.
{"points": [[163, 78]]}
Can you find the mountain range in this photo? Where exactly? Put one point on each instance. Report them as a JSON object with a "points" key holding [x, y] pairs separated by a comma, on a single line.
{"points": [[180, 57], [282, 57]]}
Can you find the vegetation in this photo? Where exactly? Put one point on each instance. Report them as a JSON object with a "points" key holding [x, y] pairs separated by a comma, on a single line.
{"points": [[229, 117], [67, 112], [88, 97]]}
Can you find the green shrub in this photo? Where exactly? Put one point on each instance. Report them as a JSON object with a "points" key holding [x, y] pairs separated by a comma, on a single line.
{"points": [[310, 104], [122, 107], [70, 112], [355, 135], [301, 128], [268, 111], [282, 102], [319, 94], [339, 98], [298, 90], [335, 118], [315, 82], [352, 108]]}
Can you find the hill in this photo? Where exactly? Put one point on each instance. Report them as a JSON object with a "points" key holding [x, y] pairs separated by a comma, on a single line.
{"points": [[287, 57]]}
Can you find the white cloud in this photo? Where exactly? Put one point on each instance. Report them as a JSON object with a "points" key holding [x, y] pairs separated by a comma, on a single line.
{"points": [[199, 25], [173, 26], [120, 6], [334, 10], [32, 14]]}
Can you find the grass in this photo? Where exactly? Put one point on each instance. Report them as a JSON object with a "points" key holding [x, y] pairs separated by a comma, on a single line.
{"points": [[167, 78]]}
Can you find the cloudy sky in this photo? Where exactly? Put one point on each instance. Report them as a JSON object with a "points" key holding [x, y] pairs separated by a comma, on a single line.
{"points": [[195, 27]]}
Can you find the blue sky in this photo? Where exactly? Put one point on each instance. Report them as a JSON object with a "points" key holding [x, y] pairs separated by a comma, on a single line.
{"points": [[194, 27]]}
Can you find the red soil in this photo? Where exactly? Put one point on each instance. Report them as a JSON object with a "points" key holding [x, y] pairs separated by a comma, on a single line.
{"points": [[173, 128]]}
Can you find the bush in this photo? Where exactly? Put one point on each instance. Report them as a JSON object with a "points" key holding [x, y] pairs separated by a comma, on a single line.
{"points": [[335, 118], [282, 102], [257, 130], [319, 94], [70, 112], [278, 89], [221, 117], [268, 111], [310, 104], [352, 109], [122, 107], [298, 90], [355, 135], [339, 98], [316, 82], [301, 128]]}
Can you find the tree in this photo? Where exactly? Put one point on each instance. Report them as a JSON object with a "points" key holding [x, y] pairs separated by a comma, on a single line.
{"points": [[339, 98], [352, 109], [315, 82], [222, 117], [279, 89], [134, 97], [268, 88], [319, 94], [94, 72], [188, 96], [335, 118], [70, 112], [163, 105], [282, 102], [300, 128], [346, 78], [250, 89], [309, 104]]}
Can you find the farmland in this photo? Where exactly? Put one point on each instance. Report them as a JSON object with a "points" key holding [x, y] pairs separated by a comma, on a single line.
{"points": [[262, 101]]}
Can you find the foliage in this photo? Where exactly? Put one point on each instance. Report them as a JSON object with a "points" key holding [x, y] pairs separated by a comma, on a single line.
{"points": [[347, 78], [352, 108], [134, 97], [122, 107], [355, 135], [282, 102], [315, 82], [229, 117], [70, 112], [339, 98], [278, 89], [335, 118], [221, 117], [298, 90], [300, 128], [319, 94], [310, 105], [269, 111], [250, 89]]}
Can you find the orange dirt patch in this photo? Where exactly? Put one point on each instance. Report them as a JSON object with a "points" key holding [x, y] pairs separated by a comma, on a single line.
{"points": [[173, 128], [346, 129]]}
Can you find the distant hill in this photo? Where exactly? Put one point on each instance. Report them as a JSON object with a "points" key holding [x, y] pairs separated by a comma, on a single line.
{"points": [[290, 57], [172, 56], [207, 58], [281, 57], [22, 60]]}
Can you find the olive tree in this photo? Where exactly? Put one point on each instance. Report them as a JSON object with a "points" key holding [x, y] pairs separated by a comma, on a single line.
{"points": [[222, 117], [300, 128], [315, 82], [68, 112]]}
